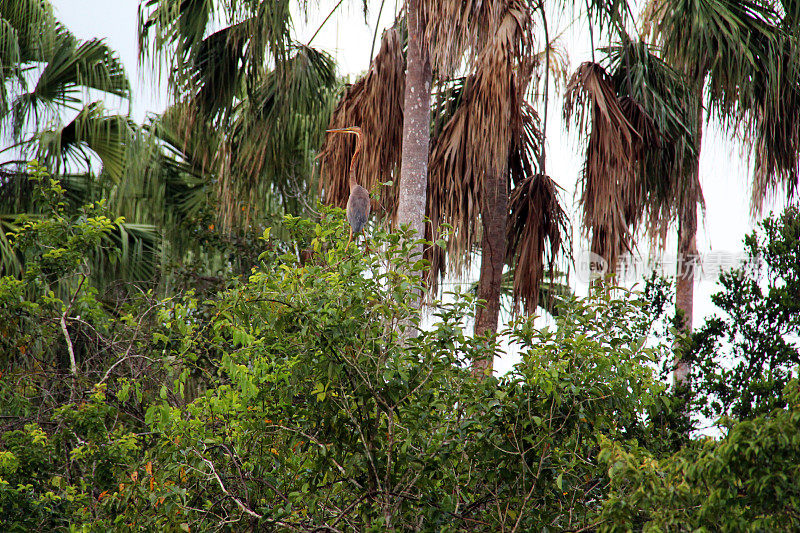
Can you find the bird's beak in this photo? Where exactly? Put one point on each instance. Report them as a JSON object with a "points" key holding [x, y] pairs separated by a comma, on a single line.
{"points": [[341, 131]]}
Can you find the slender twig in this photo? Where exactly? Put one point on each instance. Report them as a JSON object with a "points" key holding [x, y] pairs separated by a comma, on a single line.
{"points": [[324, 22], [125, 358], [316, 441], [73, 365], [241, 505], [375, 34], [586, 528]]}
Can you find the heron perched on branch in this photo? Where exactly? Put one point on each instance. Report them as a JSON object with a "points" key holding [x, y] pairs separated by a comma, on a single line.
{"points": [[358, 203]]}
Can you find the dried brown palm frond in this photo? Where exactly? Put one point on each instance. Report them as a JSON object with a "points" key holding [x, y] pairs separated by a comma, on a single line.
{"points": [[375, 103], [662, 107], [455, 27], [538, 232], [552, 63], [621, 130], [472, 150]]}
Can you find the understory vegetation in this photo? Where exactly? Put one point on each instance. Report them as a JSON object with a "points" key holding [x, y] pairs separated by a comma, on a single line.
{"points": [[291, 397]]}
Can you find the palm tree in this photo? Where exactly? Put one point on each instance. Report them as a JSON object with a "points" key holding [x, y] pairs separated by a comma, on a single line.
{"points": [[741, 59], [153, 175], [235, 69], [470, 160], [640, 154], [485, 137], [46, 73], [416, 124]]}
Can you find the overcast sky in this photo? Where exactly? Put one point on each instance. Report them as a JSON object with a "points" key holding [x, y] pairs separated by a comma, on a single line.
{"points": [[724, 171]]}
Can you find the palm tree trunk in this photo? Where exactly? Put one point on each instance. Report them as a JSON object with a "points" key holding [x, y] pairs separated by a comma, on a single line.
{"points": [[416, 129], [684, 290], [687, 261], [493, 254]]}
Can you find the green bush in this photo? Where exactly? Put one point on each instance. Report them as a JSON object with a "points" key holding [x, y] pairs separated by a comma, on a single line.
{"points": [[305, 396]]}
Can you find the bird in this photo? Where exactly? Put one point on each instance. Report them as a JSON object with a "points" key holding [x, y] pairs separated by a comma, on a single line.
{"points": [[358, 204]]}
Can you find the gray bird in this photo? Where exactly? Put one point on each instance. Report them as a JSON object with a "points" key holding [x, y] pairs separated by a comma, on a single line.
{"points": [[358, 204]]}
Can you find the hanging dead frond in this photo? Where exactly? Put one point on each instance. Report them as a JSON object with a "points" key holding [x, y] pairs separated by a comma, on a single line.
{"points": [[611, 196], [663, 109], [454, 28], [538, 232], [551, 63], [375, 103], [474, 145]]}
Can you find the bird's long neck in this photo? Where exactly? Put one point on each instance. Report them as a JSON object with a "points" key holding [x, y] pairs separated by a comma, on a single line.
{"points": [[353, 181]]}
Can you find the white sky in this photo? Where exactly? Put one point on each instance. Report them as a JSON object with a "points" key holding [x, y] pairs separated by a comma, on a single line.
{"points": [[724, 173]]}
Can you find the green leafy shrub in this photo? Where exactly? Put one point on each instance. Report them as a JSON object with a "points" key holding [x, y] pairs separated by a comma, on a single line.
{"points": [[296, 398]]}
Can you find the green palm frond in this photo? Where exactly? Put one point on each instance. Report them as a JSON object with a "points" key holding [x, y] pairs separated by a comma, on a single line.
{"points": [[746, 53], [772, 126], [164, 187], [216, 76], [70, 68], [774, 133], [75, 64], [249, 36], [259, 99], [268, 152], [134, 257], [173, 29], [28, 30], [725, 41], [91, 132], [9, 59]]}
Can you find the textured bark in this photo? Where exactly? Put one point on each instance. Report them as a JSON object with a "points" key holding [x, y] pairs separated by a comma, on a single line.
{"points": [[493, 254], [416, 129], [684, 290], [687, 262]]}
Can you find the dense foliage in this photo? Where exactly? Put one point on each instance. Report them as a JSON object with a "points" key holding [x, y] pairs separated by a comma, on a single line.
{"points": [[746, 355], [290, 398], [167, 363]]}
